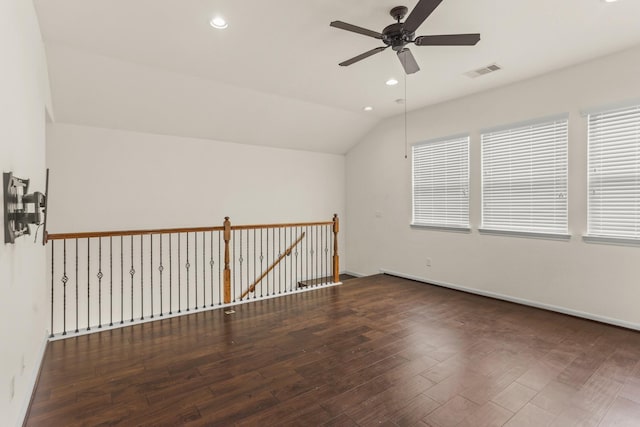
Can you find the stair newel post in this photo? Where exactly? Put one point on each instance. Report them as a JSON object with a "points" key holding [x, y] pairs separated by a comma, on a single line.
{"points": [[336, 258], [227, 269]]}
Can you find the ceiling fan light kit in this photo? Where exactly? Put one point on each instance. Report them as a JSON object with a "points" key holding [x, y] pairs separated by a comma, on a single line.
{"points": [[400, 34]]}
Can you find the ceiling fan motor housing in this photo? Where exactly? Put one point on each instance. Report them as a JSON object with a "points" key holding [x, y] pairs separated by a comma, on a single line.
{"points": [[395, 36]]}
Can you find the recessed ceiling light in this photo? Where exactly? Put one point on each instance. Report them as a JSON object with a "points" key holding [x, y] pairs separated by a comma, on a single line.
{"points": [[219, 23], [368, 108], [392, 82]]}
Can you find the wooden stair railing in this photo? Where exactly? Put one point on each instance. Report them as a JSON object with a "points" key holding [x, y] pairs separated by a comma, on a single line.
{"points": [[107, 278], [272, 266]]}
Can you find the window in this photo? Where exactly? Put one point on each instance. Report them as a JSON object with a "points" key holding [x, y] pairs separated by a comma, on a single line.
{"points": [[524, 178], [441, 183], [614, 173]]}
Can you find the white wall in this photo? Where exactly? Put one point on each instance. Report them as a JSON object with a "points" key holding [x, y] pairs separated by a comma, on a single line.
{"points": [[598, 280], [23, 293], [103, 179]]}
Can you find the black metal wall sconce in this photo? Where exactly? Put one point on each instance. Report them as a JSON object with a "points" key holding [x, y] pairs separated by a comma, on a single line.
{"points": [[21, 208]]}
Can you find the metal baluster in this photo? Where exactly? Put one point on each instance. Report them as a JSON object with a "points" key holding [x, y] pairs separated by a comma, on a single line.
{"points": [[248, 262], [161, 269], [267, 233], [279, 255], [151, 271], [219, 268], [110, 281], [204, 281], [170, 276], [254, 260], [291, 264], [211, 263], [261, 259], [121, 280], [307, 277], [240, 259], [52, 278], [296, 255], [88, 282], [77, 293], [132, 272], [64, 288], [195, 270], [99, 275], [141, 278], [187, 266]]}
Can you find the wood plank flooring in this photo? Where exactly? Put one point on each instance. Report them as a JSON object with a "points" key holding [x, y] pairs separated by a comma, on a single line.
{"points": [[377, 351]]}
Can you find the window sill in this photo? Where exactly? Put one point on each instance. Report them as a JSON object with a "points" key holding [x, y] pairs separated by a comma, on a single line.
{"points": [[526, 234], [441, 228], [619, 241]]}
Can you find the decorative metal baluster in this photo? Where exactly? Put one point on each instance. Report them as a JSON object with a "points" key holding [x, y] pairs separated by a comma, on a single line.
{"points": [[219, 268], [261, 259], [110, 281], [132, 272], [195, 270], [267, 233], [307, 276], [211, 263], [298, 229], [279, 255], [77, 293], [254, 260], [248, 261], [291, 264], [121, 280], [52, 279], [88, 281], [161, 269], [65, 279], [151, 271], [204, 277], [326, 254], [187, 266], [240, 259], [170, 276], [141, 277], [99, 275]]}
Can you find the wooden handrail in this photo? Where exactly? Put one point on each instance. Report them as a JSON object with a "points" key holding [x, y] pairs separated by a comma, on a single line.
{"points": [[84, 235], [272, 266]]}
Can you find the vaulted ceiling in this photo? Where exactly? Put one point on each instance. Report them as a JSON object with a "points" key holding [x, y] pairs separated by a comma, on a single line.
{"points": [[272, 77]]}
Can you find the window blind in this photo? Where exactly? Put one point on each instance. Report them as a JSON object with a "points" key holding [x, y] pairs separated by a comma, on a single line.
{"points": [[524, 178], [614, 173], [441, 183]]}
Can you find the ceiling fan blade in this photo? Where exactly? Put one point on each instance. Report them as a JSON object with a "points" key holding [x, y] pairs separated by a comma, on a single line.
{"points": [[408, 61], [448, 40], [356, 29], [362, 56], [423, 9]]}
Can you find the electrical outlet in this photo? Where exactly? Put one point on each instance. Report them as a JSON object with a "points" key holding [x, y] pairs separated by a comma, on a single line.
{"points": [[428, 262], [12, 387]]}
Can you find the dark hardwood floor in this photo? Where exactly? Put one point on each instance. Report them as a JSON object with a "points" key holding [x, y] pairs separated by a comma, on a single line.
{"points": [[375, 351]]}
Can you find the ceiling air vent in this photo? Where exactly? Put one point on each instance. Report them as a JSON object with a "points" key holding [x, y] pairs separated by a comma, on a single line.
{"points": [[482, 71]]}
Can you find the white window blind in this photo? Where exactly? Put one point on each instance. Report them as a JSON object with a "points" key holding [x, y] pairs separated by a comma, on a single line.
{"points": [[614, 173], [441, 183], [524, 178]]}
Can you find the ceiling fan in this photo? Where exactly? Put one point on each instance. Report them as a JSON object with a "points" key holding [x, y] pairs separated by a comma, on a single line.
{"points": [[398, 35]]}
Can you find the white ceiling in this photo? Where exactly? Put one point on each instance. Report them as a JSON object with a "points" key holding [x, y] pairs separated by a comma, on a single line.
{"points": [[272, 77]]}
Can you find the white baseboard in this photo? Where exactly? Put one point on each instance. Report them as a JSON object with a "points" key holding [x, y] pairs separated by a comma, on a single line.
{"points": [[550, 307], [352, 273], [33, 378]]}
